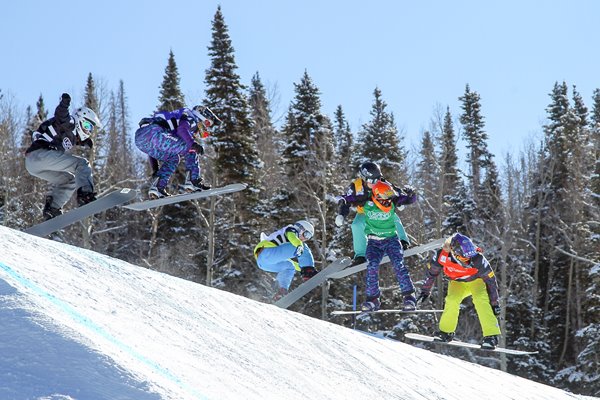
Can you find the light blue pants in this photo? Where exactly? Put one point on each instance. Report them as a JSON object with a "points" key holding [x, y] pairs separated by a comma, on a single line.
{"points": [[277, 259], [359, 239]]}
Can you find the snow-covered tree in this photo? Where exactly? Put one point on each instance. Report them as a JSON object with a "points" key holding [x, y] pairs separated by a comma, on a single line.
{"points": [[171, 98], [381, 142], [344, 145], [237, 158]]}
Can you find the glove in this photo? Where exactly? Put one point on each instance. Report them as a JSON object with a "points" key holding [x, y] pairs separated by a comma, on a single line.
{"points": [[405, 244], [299, 251], [307, 273], [339, 220], [65, 98], [198, 148], [408, 190], [88, 142], [422, 297], [496, 309]]}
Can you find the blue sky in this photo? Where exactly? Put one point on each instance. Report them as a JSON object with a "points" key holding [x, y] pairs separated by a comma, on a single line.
{"points": [[421, 54]]}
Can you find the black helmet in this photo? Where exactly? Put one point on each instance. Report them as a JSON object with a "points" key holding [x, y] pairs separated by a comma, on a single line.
{"points": [[369, 171]]}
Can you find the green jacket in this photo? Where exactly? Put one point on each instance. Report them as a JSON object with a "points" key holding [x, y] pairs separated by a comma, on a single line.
{"points": [[379, 223]]}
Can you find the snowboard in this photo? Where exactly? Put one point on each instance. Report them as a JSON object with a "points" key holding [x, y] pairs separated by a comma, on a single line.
{"points": [[360, 312], [312, 283], [77, 214], [458, 343], [147, 204], [433, 245]]}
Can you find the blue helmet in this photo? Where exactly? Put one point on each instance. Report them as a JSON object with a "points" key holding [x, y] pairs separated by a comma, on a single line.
{"points": [[462, 246]]}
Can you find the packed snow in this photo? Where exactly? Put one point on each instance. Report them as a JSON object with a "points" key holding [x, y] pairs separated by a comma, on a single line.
{"points": [[75, 324]]}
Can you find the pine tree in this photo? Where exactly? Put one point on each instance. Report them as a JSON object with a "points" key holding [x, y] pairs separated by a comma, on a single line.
{"points": [[97, 155], [237, 155], [307, 155], [121, 160], [381, 143], [237, 158], [428, 181], [269, 145], [344, 145], [308, 158], [478, 159], [456, 206], [476, 137], [32, 187], [576, 241], [595, 139], [552, 219], [267, 138], [171, 98]]}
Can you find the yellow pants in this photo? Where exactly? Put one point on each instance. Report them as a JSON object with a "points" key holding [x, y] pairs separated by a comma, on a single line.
{"points": [[457, 292]]}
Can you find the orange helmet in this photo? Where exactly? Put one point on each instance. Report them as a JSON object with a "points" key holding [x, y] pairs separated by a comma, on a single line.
{"points": [[382, 195]]}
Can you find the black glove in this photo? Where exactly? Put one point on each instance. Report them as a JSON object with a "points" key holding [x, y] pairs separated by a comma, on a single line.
{"points": [[198, 148], [88, 142], [408, 190], [422, 297], [65, 98], [307, 273], [405, 244], [496, 309]]}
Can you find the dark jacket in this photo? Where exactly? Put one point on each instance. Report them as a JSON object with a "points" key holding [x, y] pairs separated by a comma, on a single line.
{"points": [[477, 267], [358, 193], [58, 132]]}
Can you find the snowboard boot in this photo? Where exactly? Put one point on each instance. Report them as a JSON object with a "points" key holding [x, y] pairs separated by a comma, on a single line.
{"points": [[372, 304], [358, 260], [156, 192], [50, 212], [85, 197], [409, 303], [279, 294], [443, 337], [489, 342], [193, 185]]}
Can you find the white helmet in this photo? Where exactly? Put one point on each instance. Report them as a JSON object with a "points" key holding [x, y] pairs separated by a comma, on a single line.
{"points": [[85, 122], [306, 229]]}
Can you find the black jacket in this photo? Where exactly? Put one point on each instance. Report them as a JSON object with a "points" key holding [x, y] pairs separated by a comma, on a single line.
{"points": [[58, 132]]}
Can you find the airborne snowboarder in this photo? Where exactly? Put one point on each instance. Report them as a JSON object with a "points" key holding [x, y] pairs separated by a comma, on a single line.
{"points": [[168, 135], [382, 238], [470, 274], [49, 156], [359, 190], [277, 251]]}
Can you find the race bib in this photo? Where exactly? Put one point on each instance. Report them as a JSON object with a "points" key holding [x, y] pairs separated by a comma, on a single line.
{"points": [[67, 144]]}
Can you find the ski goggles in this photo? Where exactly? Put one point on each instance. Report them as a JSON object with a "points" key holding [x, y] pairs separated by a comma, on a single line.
{"points": [[384, 202], [202, 128], [461, 259], [306, 235], [87, 126]]}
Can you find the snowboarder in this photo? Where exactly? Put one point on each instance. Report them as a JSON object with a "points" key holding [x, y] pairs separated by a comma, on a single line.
{"points": [[277, 251], [470, 274], [358, 191], [49, 156], [382, 239], [168, 135]]}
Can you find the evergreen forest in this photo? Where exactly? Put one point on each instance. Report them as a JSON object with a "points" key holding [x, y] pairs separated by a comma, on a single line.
{"points": [[535, 213]]}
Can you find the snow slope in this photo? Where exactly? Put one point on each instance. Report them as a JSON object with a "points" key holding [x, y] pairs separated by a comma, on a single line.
{"points": [[75, 324]]}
